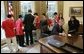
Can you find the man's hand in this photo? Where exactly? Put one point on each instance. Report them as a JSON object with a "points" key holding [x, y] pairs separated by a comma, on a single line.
{"points": [[24, 32], [22, 27]]}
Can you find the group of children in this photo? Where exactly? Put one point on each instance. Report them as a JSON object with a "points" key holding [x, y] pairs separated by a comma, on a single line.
{"points": [[14, 30]]}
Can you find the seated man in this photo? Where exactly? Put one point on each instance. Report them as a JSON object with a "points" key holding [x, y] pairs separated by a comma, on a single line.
{"points": [[55, 30]]}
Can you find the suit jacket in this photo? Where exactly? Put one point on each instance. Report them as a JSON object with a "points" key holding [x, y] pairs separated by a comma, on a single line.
{"points": [[73, 26], [44, 26], [28, 22]]}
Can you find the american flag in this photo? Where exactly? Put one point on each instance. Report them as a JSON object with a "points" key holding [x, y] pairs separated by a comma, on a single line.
{"points": [[10, 9]]}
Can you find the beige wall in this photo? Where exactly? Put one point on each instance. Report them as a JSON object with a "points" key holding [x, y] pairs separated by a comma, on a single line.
{"points": [[67, 5]]}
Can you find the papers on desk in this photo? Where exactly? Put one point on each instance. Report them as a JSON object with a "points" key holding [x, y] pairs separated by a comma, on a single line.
{"points": [[69, 35], [62, 34], [55, 43], [80, 35]]}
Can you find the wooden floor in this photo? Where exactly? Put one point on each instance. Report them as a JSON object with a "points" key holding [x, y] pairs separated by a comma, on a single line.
{"points": [[30, 49]]}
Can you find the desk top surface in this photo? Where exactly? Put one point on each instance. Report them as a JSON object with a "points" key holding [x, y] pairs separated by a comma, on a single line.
{"points": [[75, 41]]}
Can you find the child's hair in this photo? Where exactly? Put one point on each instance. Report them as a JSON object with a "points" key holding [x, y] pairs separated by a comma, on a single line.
{"points": [[30, 10], [62, 18], [20, 16], [36, 14], [55, 13], [9, 16], [44, 14]]}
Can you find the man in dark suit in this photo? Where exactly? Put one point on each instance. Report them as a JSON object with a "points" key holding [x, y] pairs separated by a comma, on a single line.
{"points": [[28, 26]]}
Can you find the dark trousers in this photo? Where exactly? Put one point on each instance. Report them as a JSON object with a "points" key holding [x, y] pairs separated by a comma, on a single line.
{"points": [[29, 35], [20, 39]]}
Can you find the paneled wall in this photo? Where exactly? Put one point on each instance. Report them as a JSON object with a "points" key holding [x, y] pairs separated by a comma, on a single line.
{"points": [[40, 7]]}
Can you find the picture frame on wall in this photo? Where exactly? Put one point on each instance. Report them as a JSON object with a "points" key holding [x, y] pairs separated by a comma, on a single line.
{"points": [[76, 11]]}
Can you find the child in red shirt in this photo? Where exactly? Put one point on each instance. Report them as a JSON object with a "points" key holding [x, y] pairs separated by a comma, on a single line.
{"points": [[37, 25], [19, 31], [8, 26]]}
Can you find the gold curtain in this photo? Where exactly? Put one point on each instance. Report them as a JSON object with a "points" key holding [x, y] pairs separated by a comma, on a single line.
{"points": [[60, 7], [37, 7], [6, 7], [40, 7], [16, 9]]}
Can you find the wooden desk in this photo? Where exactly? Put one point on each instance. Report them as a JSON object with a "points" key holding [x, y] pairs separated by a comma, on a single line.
{"points": [[46, 48]]}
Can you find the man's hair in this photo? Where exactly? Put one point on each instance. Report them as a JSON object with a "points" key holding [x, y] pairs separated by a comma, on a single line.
{"points": [[9, 16], [62, 18], [36, 14], [30, 10], [73, 17]]}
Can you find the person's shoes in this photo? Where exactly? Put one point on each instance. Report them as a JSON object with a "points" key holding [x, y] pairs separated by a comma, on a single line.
{"points": [[11, 51], [23, 46], [27, 44], [32, 43], [36, 40], [18, 50]]}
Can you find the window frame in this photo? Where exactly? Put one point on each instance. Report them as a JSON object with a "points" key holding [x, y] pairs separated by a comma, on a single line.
{"points": [[32, 7], [55, 10]]}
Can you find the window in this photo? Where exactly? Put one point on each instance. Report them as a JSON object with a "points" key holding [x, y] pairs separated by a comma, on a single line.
{"points": [[52, 7], [25, 5], [2, 17]]}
